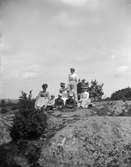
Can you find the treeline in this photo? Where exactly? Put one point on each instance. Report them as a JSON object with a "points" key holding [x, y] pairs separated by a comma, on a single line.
{"points": [[122, 94], [94, 88]]}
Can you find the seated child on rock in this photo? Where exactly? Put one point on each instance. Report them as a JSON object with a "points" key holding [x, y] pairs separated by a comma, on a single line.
{"points": [[70, 102], [84, 101], [42, 98], [51, 103], [59, 102], [71, 92], [63, 91]]}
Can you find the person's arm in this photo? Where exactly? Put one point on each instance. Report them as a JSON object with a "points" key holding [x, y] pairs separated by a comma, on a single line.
{"points": [[69, 78], [55, 103], [76, 78], [48, 95], [37, 97]]}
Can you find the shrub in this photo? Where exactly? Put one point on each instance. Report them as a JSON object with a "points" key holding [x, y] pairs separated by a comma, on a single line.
{"points": [[28, 123], [96, 90], [123, 94]]}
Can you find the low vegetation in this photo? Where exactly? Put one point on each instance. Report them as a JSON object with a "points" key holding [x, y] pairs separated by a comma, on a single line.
{"points": [[97, 141], [28, 123], [123, 94]]}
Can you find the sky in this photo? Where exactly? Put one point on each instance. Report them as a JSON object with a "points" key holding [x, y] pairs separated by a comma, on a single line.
{"points": [[41, 39]]}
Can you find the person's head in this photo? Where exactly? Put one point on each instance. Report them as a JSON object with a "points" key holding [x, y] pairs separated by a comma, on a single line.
{"points": [[52, 97], [44, 86], [71, 86], [85, 89], [72, 70], [83, 80], [62, 85], [59, 96], [79, 80]]}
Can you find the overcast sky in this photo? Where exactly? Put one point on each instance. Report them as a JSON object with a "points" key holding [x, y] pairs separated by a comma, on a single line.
{"points": [[41, 39]]}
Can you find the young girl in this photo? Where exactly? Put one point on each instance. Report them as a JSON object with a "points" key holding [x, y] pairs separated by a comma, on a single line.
{"points": [[84, 100], [63, 91], [42, 98]]}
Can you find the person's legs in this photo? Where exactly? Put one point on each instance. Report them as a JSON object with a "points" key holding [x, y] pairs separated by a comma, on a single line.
{"points": [[75, 91]]}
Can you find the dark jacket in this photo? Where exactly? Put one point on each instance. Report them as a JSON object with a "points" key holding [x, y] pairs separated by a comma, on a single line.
{"points": [[59, 102], [70, 103]]}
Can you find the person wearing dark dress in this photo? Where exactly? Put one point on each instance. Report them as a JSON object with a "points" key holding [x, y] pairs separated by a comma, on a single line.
{"points": [[79, 89], [59, 102], [70, 102]]}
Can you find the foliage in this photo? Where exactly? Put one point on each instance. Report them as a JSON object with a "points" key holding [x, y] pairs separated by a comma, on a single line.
{"points": [[28, 123], [122, 94], [3, 109], [96, 90]]}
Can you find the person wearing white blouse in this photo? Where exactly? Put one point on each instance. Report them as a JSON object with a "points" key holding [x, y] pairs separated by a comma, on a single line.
{"points": [[73, 80]]}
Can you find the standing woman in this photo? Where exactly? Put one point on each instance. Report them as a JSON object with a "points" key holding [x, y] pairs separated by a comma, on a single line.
{"points": [[42, 98], [73, 80]]}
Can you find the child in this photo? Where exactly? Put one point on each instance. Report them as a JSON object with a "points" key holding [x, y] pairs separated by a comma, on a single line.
{"points": [[59, 102], [63, 91], [51, 103], [70, 102], [42, 98], [84, 100]]}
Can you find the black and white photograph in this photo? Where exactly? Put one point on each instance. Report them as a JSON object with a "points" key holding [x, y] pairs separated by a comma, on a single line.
{"points": [[65, 83]]}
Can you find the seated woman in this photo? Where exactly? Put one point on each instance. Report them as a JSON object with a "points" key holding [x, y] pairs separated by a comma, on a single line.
{"points": [[84, 101], [71, 92], [42, 98], [59, 102], [63, 91], [70, 102], [51, 103]]}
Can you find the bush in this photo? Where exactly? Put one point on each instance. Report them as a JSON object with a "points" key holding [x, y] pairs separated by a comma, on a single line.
{"points": [[96, 90], [123, 94], [28, 123]]}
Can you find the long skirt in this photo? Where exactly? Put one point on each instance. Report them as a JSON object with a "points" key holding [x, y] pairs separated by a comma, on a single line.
{"points": [[75, 89], [41, 102], [85, 103]]}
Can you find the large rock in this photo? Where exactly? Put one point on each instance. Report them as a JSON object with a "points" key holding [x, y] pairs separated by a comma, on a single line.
{"points": [[93, 141]]}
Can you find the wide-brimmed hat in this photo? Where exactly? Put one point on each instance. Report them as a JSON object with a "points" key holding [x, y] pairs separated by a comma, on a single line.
{"points": [[45, 85], [62, 84], [73, 69]]}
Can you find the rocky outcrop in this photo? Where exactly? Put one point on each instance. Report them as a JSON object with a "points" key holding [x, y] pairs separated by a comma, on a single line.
{"points": [[95, 137], [93, 141]]}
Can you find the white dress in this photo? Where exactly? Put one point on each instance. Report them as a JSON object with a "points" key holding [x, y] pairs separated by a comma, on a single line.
{"points": [[63, 92], [85, 100], [73, 80], [41, 100]]}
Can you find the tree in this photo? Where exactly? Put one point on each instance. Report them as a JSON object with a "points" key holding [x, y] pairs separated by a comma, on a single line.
{"points": [[96, 90], [28, 123], [122, 94]]}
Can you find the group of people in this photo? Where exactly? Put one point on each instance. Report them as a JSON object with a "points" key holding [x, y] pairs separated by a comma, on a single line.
{"points": [[72, 95]]}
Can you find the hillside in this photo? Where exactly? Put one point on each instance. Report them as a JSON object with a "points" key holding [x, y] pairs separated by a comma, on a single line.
{"points": [[95, 137], [91, 141]]}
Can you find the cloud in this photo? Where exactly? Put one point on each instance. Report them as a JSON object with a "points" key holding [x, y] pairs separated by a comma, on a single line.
{"points": [[75, 2], [2, 44], [29, 75], [34, 68], [122, 69], [65, 19], [88, 4], [122, 72]]}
